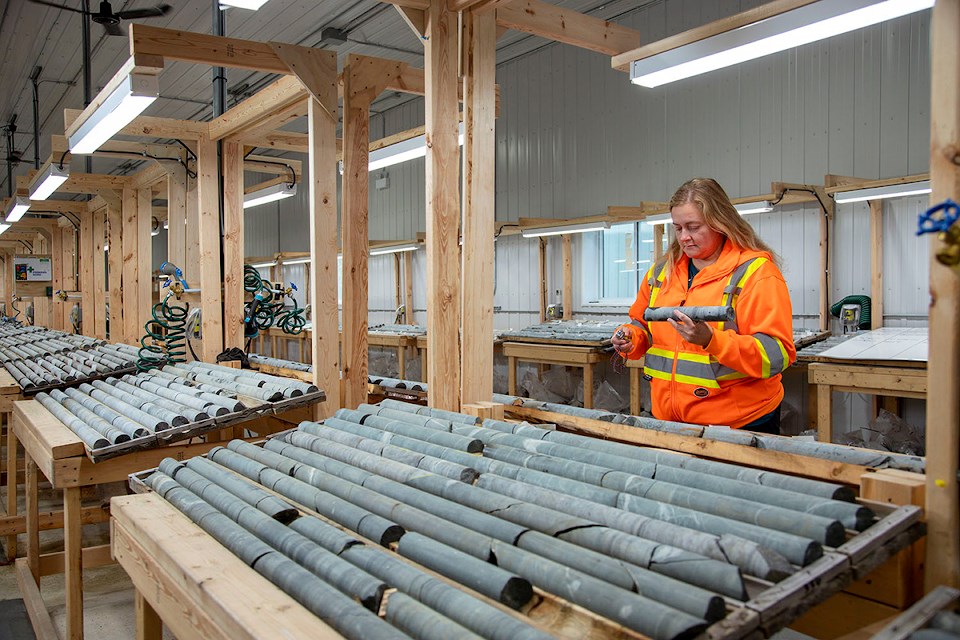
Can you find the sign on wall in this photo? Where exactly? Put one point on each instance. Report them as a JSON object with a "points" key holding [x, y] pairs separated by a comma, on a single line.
{"points": [[32, 268]]}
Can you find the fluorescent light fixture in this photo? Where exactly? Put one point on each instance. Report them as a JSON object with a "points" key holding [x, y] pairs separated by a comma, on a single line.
{"points": [[106, 247], [252, 5], [16, 208], [401, 152], [761, 206], [155, 232], [582, 227], [655, 220], [46, 182], [272, 193], [4, 227], [128, 100], [394, 248], [880, 193], [296, 261], [816, 21], [263, 265]]}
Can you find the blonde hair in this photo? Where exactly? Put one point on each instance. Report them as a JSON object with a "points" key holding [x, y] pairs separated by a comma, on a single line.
{"points": [[719, 214]]}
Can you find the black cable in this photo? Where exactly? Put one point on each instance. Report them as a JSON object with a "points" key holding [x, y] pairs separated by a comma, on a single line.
{"points": [[293, 174], [508, 224], [189, 150], [144, 154], [62, 215], [60, 164]]}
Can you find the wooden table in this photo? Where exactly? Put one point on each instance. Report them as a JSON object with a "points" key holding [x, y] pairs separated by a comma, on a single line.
{"points": [[553, 354], [10, 392], [188, 581], [636, 376], [53, 450], [398, 341], [897, 381]]}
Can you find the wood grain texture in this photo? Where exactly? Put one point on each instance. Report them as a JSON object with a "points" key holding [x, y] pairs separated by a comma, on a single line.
{"points": [[131, 274], [144, 257], [115, 273], [443, 208], [233, 245], [176, 217], [208, 228], [99, 275], [567, 26]]}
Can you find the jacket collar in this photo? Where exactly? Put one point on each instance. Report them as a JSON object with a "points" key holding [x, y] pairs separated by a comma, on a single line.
{"points": [[730, 258]]}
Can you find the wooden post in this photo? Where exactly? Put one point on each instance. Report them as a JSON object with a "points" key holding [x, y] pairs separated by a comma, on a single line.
{"points": [[543, 278], [233, 244], [325, 336], [479, 90], [130, 288], [118, 331], [57, 268], [176, 215], [192, 231], [826, 264], [144, 257], [356, 122], [876, 264], [658, 242], [41, 304], [567, 277], [408, 288], [8, 281], [443, 207], [943, 404], [398, 289], [87, 295], [99, 276], [208, 190]]}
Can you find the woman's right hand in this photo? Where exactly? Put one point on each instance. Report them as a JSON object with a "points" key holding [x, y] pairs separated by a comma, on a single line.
{"points": [[622, 339]]}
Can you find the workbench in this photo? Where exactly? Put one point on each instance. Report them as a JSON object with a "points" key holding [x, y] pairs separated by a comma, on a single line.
{"points": [[400, 342], [53, 450], [10, 392], [888, 362], [584, 357]]}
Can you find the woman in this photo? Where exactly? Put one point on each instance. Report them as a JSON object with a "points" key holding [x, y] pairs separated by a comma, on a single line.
{"points": [[713, 372]]}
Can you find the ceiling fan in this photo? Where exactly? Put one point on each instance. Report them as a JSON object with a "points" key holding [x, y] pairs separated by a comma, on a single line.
{"points": [[110, 20]]}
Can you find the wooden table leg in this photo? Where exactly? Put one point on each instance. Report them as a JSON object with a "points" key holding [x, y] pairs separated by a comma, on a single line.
{"points": [[588, 386], [512, 375], [635, 407], [33, 518], [149, 625], [824, 413], [11, 487], [402, 363], [73, 564], [274, 347]]}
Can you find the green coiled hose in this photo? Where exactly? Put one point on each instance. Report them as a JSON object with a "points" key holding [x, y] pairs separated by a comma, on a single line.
{"points": [[267, 309], [167, 332], [863, 301]]}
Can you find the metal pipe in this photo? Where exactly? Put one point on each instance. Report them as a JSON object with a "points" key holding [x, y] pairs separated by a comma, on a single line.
{"points": [[91, 437], [144, 403]]}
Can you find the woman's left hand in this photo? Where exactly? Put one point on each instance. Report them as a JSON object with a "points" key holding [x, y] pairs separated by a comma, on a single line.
{"points": [[694, 332]]}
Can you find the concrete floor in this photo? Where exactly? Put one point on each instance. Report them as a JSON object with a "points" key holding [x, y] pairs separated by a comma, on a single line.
{"points": [[108, 609]]}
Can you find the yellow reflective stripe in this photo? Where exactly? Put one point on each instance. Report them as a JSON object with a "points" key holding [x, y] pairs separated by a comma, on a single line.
{"points": [[700, 382], [752, 267], [656, 282], [657, 351], [703, 358], [764, 360], [736, 375], [654, 373]]}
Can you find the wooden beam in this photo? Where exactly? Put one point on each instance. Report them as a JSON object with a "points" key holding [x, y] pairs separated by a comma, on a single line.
{"points": [[658, 249], [88, 300], [150, 175], [542, 263], [477, 6], [59, 206], [83, 183], [846, 184], [132, 323], [192, 230], [153, 127], [876, 264], [412, 4], [567, 277], [621, 59], [943, 370], [443, 208], [316, 70], [144, 257], [271, 165], [208, 193], [56, 268], [416, 19], [325, 337], [99, 276], [233, 165], [115, 273], [479, 154], [408, 289], [563, 25], [258, 108], [826, 260], [200, 48], [354, 212], [176, 218]]}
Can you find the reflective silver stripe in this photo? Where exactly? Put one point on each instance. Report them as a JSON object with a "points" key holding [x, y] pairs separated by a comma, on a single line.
{"points": [[658, 363], [774, 350], [723, 372], [637, 323], [699, 370], [732, 287], [642, 327]]}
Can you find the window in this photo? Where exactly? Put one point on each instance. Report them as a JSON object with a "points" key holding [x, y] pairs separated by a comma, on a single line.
{"points": [[623, 257]]}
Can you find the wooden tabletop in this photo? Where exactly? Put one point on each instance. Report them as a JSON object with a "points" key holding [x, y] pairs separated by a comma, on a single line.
{"points": [[8, 386], [199, 588]]}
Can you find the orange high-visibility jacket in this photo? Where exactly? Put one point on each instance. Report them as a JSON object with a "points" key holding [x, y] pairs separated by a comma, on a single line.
{"points": [[736, 378]]}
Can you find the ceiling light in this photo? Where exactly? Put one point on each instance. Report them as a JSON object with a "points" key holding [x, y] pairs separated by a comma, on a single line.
{"points": [[17, 206], [271, 193], [879, 193], [816, 21], [394, 248], [296, 261], [46, 182], [761, 206], [135, 93], [655, 220], [401, 152], [264, 265], [4, 227], [560, 230]]}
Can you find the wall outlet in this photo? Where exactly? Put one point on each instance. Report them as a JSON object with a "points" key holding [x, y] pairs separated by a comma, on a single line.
{"points": [[383, 183]]}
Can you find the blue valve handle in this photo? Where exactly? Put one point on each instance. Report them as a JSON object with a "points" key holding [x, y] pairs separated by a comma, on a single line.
{"points": [[938, 218]]}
